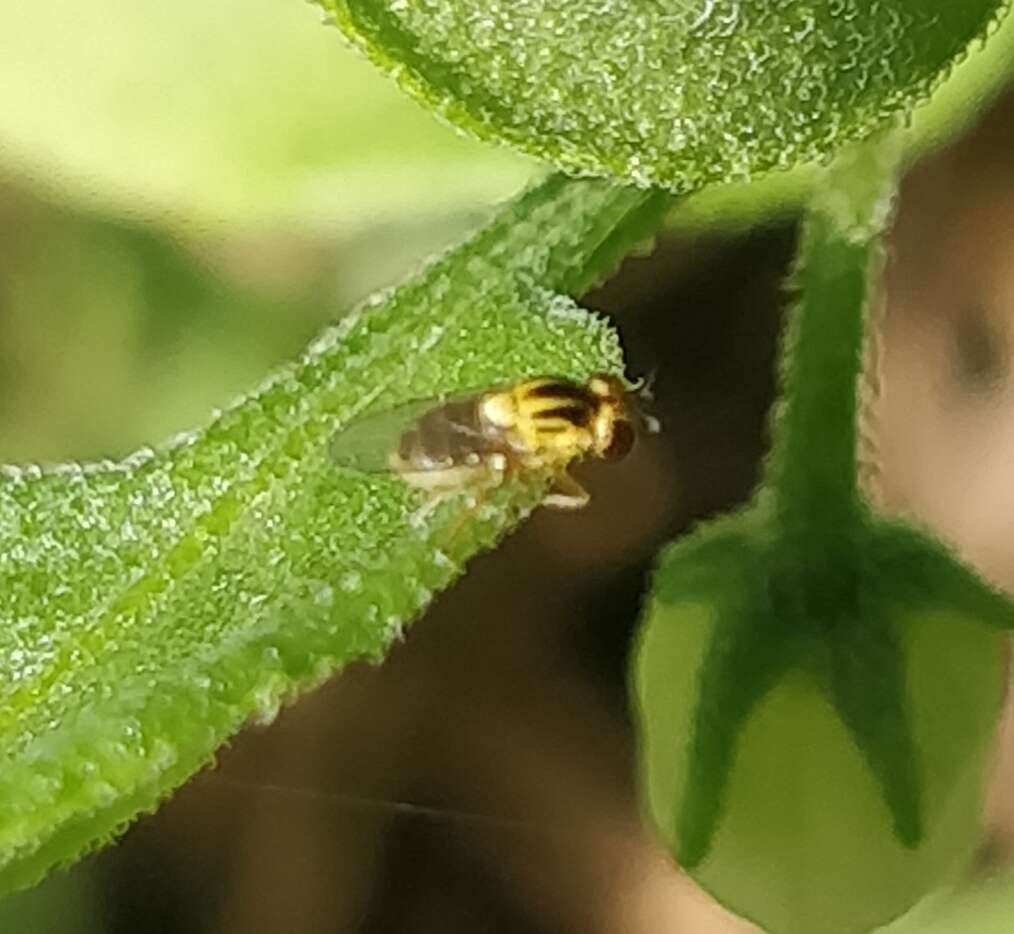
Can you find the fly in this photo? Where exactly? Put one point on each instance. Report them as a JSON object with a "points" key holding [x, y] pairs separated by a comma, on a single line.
{"points": [[542, 423]]}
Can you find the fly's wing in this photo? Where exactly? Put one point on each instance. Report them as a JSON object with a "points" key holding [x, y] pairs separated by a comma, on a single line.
{"points": [[366, 444]]}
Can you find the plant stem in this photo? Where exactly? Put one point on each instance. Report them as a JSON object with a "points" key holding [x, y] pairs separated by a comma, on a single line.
{"points": [[812, 467]]}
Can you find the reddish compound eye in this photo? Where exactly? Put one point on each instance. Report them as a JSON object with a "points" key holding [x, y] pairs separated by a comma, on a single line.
{"points": [[621, 442]]}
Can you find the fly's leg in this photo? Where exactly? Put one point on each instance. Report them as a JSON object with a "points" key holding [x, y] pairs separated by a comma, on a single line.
{"points": [[566, 493], [433, 502], [478, 485], [442, 485]]}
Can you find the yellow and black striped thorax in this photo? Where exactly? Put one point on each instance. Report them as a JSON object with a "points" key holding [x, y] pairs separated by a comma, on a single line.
{"points": [[550, 420]]}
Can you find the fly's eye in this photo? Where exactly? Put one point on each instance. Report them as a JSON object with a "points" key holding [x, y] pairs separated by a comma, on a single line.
{"points": [[622, 440]]}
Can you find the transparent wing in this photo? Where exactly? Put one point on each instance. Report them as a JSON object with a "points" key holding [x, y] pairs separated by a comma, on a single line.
{"points": [[366, 444]]}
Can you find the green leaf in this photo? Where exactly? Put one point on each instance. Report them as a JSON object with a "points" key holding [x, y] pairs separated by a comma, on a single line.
{"points": [[151, 607], [973, 83], [224, 116], [818, 686], [671, 93]]}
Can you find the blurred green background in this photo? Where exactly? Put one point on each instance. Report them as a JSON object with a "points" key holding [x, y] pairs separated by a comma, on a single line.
{"points": [[188, 191]]}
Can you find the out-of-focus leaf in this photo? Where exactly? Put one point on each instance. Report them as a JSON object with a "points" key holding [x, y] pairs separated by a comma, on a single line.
{"points": [[150, 607], [73, 902], [224, 115], [678, 93], [116, 334]]}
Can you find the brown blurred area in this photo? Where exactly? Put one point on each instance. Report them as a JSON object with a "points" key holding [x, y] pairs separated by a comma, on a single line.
{"points": [[480, 780]]}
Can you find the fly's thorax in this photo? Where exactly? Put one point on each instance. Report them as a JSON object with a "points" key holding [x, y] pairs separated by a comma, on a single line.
{"points": [[544, 421]]}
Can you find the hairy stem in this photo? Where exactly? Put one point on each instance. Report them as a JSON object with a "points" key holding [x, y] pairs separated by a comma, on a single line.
{"points": [[812, 467]]}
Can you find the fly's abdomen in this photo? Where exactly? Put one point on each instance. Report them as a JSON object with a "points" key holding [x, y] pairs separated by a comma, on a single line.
{"points": [[450, 435]]}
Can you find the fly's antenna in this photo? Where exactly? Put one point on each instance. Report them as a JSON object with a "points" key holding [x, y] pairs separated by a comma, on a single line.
{"points": [[642, 391], [644, 386]]}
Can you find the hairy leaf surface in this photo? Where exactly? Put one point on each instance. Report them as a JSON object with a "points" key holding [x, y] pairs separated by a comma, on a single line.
{"points": [[150, 607], [679, 93]]}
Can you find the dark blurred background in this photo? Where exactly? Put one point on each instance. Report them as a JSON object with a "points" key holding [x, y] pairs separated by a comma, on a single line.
{"points": [[174, 221]]}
